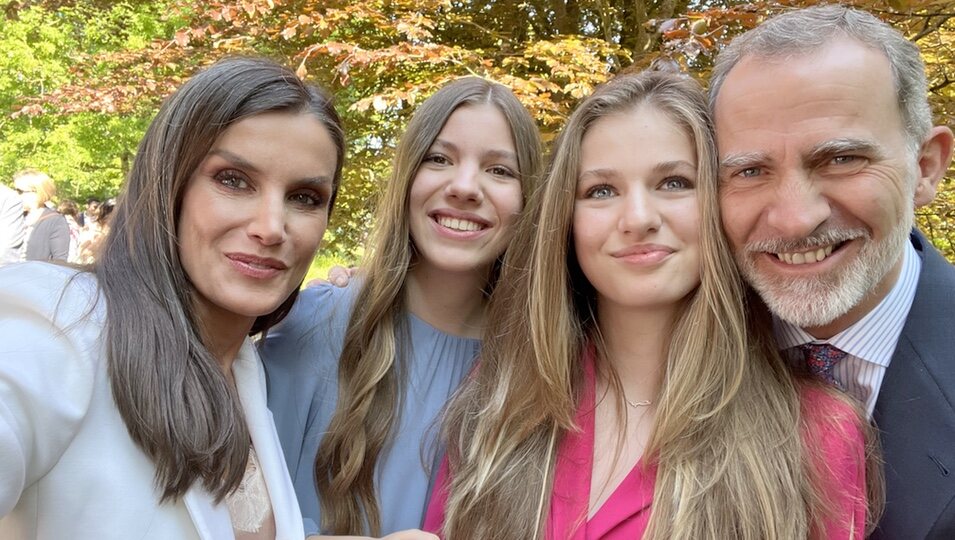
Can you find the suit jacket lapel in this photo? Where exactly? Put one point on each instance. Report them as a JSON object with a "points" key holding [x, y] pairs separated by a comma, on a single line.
{"points": [[915, 410]]}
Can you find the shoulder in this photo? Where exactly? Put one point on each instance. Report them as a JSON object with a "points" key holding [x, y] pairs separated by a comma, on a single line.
{"points": [[927, 332], [61, 293], [316, 323], [9, 198], [52, 218], [325, 301], [53, 368], [937, 271], [317, 307]]}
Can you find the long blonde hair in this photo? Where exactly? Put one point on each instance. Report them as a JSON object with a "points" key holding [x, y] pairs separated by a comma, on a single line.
{"points": [[730, 460], [371, 361]]}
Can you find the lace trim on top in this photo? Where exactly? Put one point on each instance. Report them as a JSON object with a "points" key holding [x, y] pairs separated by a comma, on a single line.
{"points": [[249, 505]]}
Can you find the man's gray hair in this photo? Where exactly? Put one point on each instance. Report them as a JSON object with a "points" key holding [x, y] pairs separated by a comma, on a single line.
{"points": [[807, 30]]}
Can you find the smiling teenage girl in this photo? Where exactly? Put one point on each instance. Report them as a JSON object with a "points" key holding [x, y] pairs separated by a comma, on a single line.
{"points": [[627, 392], [357, 376]]}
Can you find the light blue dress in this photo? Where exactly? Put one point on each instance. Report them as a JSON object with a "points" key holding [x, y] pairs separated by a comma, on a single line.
{"points": [[301, 364]]}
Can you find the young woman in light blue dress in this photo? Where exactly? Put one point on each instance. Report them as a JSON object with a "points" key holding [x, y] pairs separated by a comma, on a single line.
{"points": [[358, 376]]}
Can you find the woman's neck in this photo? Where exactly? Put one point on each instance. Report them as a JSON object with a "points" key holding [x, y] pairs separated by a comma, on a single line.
{"points": [[636, 342], [454, 303], [224, 333]]}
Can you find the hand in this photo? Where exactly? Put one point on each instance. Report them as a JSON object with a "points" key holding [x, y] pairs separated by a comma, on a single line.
{"points": [[338, 276]]}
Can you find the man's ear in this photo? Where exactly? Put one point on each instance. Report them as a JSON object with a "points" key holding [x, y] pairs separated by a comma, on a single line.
{"points": [[934, 159]]}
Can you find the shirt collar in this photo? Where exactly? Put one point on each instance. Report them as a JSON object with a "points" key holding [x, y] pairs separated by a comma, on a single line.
{"points": [[874, 337]]}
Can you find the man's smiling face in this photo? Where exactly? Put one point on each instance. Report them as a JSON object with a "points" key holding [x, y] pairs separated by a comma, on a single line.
{"points": [[817, 181]]}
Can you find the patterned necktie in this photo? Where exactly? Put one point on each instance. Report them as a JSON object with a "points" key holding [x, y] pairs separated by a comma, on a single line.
{"points": [[820, 359]]}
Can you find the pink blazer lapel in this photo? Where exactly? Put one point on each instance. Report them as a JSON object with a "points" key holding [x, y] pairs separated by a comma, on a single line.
{"points": [[627, 509]]}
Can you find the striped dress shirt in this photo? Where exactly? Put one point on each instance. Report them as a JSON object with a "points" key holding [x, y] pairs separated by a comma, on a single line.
{"points": [[870, 342]]}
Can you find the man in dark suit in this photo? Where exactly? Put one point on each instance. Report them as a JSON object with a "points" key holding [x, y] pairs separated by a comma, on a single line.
{"points": [[826, 147]]}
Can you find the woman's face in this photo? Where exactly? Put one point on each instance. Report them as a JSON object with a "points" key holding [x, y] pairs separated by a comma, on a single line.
{"points": [[636, 212], [28, 195], [254, 212], [466, 195]]}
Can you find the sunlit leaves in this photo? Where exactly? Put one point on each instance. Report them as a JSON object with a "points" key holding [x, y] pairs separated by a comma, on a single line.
{"points": [[100, 60]]}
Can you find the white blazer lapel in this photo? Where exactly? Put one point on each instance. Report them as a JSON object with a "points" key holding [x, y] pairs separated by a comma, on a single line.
{"points": [[250, 383], [212, 521]]}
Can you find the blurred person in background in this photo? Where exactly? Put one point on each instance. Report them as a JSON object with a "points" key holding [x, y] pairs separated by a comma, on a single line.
{"points": [[47, 232], [71, 211], [92, 204], [97, 225], [11, 226]]}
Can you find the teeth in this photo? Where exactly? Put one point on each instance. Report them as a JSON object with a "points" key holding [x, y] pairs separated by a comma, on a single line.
{"points": [[459, 224], [805, 257]]}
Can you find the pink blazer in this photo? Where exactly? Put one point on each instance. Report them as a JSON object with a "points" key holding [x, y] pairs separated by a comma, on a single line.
{"points": [[830, 423]]}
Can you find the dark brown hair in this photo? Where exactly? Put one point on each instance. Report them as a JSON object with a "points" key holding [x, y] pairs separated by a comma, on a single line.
{"points": [[170, 391]]}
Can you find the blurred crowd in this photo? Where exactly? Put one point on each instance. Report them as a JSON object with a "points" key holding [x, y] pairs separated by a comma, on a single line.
{"points": [[34, 227]]}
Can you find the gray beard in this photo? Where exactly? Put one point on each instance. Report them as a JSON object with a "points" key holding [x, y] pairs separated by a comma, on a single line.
{"points": [[821, 299]]}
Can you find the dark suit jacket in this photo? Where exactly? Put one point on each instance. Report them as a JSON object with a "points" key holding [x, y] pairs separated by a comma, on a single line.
{"points": [[915, 411]]}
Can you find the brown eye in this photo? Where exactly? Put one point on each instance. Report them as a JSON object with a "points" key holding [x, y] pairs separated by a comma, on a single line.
{"points": [[844, 160], [437, 159], [500, 170], [306, 198], [231, 179]]}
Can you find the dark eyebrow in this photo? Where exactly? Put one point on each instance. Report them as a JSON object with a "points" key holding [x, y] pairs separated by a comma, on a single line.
{"points": [[844, 145], [314, 182], [246, 165], [235, 159]]}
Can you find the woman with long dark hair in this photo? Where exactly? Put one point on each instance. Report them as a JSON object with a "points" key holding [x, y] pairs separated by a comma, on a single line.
{"points": [[133, 401]]}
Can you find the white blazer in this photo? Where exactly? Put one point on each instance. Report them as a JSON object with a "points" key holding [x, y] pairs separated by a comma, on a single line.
{"points": [[68, 468]]}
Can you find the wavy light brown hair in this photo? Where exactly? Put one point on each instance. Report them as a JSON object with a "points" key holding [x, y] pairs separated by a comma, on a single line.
{"points": [[171, 392], [726, 439], [370, 366]]}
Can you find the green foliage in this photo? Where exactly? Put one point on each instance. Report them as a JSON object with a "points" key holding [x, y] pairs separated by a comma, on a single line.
{"points": [[87, 153], [79, 80]]}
